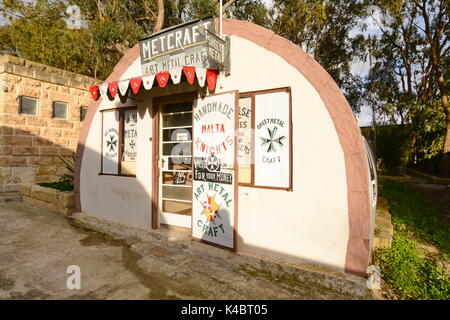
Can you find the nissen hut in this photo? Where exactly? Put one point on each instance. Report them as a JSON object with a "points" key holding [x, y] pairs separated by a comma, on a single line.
{"points": [[240, 138]]}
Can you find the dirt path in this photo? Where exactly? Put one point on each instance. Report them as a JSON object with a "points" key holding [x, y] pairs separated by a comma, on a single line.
{"points": [[37, 246]]}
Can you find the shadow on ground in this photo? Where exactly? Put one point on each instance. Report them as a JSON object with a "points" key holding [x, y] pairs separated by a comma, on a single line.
{"points": [[37, 246]]}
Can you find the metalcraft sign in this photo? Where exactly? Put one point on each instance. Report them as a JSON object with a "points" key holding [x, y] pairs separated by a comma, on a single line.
{"points": [[183, 45], [216, 48], [214, 180]]}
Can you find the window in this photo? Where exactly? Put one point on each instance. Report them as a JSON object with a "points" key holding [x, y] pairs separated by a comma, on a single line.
{"points": [[245, 139], [265, 138], [83, 111], [119, 142], [59, 110], [28, 106]]}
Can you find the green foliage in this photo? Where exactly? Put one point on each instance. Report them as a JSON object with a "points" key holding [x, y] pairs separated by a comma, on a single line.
{"points": [[412, 273], [392, 147], [428, 125], [62, 185], [411, 56], [323, 29], [66, 181], [69, 163], [409, 208]]}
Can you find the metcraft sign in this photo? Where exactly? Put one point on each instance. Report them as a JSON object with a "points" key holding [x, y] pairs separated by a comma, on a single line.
{"points": [[214, 180], [183, 45]]}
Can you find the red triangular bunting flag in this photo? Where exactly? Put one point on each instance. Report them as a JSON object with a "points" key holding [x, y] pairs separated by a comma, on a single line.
{"points": [[135, 84], [113, 88], [211, 77], [94, 92], [162, 78], [189, 72]]}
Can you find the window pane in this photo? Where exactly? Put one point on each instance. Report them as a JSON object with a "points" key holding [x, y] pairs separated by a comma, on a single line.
{"points": [[59, 110], [177, 120], [245, 140], [177, 192], [129, 145], [177, 107], [180, 134], [83, 111], [177, 178], [177, 207], [28, 105]]}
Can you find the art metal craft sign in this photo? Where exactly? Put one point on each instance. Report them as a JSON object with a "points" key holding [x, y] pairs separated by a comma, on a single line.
{"points": [[183, 45], [214, 179]]}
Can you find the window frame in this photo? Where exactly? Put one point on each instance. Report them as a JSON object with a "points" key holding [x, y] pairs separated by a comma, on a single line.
{"points": [[29, 114], [81, 113], [253, 95], [120, 150], [53, 110]]}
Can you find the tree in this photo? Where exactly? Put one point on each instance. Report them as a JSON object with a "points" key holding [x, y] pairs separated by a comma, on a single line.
{"points": [[323, 29], [410, 80]]}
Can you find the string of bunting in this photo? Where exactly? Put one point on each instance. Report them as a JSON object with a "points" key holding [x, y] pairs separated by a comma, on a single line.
{"points": [[110, 90]]}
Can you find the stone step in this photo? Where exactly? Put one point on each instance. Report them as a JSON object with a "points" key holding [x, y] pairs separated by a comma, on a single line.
{"points": [[10, 196]]}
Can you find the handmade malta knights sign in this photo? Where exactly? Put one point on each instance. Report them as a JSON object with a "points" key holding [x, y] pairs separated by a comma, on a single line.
{"points": [[215, 167], [183, 45]]}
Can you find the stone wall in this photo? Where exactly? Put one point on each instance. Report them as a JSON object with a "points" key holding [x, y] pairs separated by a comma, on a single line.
{"points": [[54, 200], [30, 145]]}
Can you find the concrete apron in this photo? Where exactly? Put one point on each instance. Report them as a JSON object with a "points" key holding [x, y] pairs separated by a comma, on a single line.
{"points": [[37, 246], [172, 244]]}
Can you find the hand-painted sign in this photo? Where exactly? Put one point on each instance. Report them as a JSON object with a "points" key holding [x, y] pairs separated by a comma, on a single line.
{"points": [[208, 170], [245, 139], [272, 140], [214, 182], [110, 164], [180, 178], [182, 45], [219, 51], [130, 135], [216, 48]]}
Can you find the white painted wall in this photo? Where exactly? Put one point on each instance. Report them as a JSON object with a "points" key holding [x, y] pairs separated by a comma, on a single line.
{"points": [[309, 224]]}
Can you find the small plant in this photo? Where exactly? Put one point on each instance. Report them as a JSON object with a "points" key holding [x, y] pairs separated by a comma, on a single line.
{"points": [[66, 181], [70, 166], [411, 272], [63, 184]]}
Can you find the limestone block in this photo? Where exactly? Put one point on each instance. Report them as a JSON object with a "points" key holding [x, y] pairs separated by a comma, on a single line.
{"points": [[67, 199], [66, 211], [51, 206], [9, 188], [5, 171], [26, 174], [24, 189], [382, 242], [44, 194]]}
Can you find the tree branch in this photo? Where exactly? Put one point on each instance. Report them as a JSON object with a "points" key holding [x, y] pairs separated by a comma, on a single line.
{"points": [[160, 19]]}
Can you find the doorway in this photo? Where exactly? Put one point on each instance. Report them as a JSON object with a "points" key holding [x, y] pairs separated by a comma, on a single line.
{"points": [[175, 164]]}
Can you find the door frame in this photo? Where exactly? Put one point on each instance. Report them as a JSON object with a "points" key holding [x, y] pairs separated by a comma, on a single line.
{"points": [[155, 114]]}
